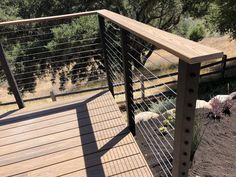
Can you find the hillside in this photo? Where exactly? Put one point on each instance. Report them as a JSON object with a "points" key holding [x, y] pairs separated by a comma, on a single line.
{"points": [[223, 43]]}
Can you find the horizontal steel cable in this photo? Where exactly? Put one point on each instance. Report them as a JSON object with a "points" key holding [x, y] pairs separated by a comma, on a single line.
{"points": [[55, 56], [54, 68], [61, 61], [64, 49], [155, 140], [152, 74], [152, 50], [142, 131], [174, 79], [44, 40], [157, 89]]}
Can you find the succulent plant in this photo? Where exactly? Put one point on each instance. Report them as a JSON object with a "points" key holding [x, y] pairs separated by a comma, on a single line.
{"points": [[163, 130], [171, 119], [166, 123]]}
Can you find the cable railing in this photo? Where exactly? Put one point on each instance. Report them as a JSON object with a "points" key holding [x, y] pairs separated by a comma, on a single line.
{"points": [[159, 103], [128, 45], [161, 143], [52, 52]]}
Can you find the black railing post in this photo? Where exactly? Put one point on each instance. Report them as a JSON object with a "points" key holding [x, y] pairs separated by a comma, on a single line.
{"points": [[101, 21], [187, 92], [223, 66], [127, 65], [10, 78]]}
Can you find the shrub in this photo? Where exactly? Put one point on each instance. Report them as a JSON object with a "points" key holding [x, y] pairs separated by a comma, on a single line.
{"points": [[166, 123], [163, 105], [227, 107], [171, 119], [197, 33], [219, 108], [163, 130], [184, 27]]}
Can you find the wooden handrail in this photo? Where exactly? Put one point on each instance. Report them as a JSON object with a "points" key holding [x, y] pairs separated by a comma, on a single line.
{"points": [[187, 50], [50, 18]]}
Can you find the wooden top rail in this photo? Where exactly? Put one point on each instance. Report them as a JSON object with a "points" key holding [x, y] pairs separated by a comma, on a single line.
{"points": [[43, 19], [187, 50]]}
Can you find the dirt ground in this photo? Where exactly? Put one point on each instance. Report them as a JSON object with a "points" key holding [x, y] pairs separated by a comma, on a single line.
{"points": [[216, 154]]}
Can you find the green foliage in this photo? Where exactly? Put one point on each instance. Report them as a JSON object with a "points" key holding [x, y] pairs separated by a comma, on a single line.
{"points": [[163, 130], [162, 105], [171, 118], [8, 10], [196, 8], [195, 29], [184, 27], [223, 16], [164, 14], [197, 33], [166, 123], [84, 27]]}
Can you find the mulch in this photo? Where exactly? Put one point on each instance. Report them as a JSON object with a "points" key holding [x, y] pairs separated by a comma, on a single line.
{"points": [[216, 154]]}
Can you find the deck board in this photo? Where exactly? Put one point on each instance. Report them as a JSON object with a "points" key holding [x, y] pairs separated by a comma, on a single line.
{"points": [[87, 137]]}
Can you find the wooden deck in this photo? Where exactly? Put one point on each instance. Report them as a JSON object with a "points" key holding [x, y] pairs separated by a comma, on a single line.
{"points": [[87, 137]]}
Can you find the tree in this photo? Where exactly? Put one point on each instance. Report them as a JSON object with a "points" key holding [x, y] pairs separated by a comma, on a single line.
{"points": [[163, 14], [223, 16], [196, 8]]}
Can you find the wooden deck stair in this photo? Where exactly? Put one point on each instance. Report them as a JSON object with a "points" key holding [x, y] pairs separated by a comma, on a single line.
{"points": [[86, 138]]}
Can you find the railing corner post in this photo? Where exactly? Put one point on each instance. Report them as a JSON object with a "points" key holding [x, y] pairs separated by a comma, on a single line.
{"points": [[10, 78], [101, 22], [187, 92], [127, 65]]}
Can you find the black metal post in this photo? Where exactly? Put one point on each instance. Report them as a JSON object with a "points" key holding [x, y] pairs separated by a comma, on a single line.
{"points": [[10, 78], [102, 35], [127, 65], [187, 90], [223, 66]]}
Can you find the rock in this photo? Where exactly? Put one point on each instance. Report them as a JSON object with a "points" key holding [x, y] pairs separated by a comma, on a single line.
{"points": [[233, 95], [202, 108], [203, 104], [221, 98], [169, 112], [145, 116]]}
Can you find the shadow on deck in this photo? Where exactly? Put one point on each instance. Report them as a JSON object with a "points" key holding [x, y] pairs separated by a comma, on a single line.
{"points": [[84, 138]]}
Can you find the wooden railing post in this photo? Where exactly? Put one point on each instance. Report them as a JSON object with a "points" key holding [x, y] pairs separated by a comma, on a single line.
{"points": [[187, 92], [127, 65], [107, 67], [10, 78], [53, 96], [223, 66]]}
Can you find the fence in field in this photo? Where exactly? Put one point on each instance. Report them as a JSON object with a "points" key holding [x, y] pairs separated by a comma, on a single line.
{"points": [[114, 53], [219, 68]]}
